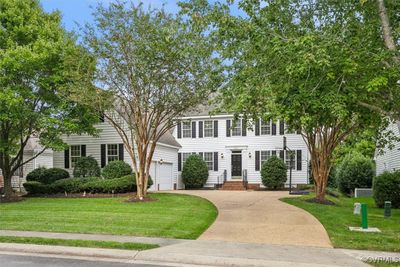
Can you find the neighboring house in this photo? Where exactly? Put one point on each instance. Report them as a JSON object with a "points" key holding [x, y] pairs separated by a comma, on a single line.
{"points": [[32, 148], [235, 153], [108, 146], [390, 159]]}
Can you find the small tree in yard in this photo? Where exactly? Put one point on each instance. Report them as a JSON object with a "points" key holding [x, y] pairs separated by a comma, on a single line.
{"points": [[194, 172], [328, 68], [274, 173], [86, 167], [153, 67], [41, 67]]}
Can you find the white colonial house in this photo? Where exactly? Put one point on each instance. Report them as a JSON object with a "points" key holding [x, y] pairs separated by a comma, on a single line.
{"points": [[108, 146], [234, 153], [390, 159]]}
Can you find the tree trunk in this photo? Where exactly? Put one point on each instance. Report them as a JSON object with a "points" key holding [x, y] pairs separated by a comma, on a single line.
{"points": [[8, 191]]}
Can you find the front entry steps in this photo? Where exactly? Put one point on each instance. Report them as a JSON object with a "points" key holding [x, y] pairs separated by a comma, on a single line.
{"points": [[234, 185]]}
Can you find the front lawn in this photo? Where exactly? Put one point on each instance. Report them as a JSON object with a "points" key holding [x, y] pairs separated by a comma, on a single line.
{"points": [[337, 219], [172, 215], [76, 243]]}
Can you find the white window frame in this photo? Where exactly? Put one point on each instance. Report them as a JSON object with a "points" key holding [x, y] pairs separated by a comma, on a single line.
{"points": [[264, 156], [287, 159], [116, 157], [74, 158], [185, 156], [210, 129], [265, 126], [237, 129], [209, 160], [186, 131]]}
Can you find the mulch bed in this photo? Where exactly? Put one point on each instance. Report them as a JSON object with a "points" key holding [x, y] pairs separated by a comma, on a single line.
{"points": [[80, 195], [11, 199], [137, 200], [323, 202]]}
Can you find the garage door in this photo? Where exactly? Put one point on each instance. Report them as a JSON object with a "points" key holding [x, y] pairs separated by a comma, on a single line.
{"points": [[164, 176]]}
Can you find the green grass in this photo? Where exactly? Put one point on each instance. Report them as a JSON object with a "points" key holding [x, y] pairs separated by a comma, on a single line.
{"points": [[77, 243], [337, 219], [172, 215], [383, 264]]}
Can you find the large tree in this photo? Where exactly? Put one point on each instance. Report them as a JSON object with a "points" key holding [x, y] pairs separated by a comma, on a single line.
{"points": [[40, 68], [323, 66], [152, 68]]}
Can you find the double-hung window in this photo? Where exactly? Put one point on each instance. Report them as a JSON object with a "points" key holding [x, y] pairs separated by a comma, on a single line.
{"points": [[264, 156], [290, 157], [208, 129], [265, 127], [112, 152], [76, 153], [208, 158], [186, 129], [237, 128], [185, 157]]}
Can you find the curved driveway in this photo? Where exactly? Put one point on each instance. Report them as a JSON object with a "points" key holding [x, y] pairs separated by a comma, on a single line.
{"points": [[260, 217]]}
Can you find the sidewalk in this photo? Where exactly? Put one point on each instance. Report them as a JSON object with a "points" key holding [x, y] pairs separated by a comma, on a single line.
{"points": [[197, 252]]}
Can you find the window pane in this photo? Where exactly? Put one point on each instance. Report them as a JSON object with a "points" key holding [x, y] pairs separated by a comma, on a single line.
{"points": [[184, 157], [186, 129], [112, 152], [75, 154], [237, 128], [208, 158], [265, 127], [288, 156], [265, 155], [208, 129]]}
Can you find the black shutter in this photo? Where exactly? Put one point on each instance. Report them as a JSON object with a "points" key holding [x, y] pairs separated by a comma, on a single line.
{"points": [[228, 128], [200, 129], [201, 155], [281, 127], [273, 128], [83, 150], [121, 151], [215, 128], [103, 155], [282, 154], [257, 160], [299, 160], [257, 127], [101, 116], [66, 158], [244, 127], [179, 162], [180, 130], [216, 161], [193, 129], [274, 153]]}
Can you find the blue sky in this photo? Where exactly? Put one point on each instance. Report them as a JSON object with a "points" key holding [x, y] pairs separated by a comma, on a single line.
{"points": [[80, 11]]}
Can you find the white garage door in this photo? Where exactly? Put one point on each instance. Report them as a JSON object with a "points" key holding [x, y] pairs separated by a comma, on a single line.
{"points": [[164, 177]]}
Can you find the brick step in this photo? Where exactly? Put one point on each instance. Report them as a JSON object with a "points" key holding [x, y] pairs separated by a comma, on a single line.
{"points": [[233, 185]]}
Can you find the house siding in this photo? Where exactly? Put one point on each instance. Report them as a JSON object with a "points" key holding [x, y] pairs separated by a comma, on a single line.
{"points": [[247, 144], [390, 159], [108, 135]]}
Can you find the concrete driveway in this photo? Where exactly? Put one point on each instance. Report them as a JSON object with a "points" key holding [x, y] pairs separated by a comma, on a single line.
{"points": [[260, 217]]}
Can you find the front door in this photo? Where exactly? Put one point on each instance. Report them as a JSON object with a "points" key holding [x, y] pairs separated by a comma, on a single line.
{"points": [[236, 165]]}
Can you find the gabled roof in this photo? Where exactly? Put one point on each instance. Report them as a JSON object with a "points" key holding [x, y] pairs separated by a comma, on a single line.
{"points": [[169, 139]]}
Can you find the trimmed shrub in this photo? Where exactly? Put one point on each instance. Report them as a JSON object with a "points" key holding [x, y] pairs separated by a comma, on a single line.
{"points": [[72, 185], [355, 171], [86, 167], [116, 169], [47, 176], [274, 173], [386, 187], [194, 172], [37, 175], [35, 187]]}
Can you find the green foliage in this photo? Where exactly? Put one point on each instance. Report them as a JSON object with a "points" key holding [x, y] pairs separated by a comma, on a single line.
{"points": [[86, 167], [116, 169], [42, 70], [37, 175], [355, 171], [332, 182], [386, 187], [194, 172], [47, 176], [123, 184], [274, 173]]}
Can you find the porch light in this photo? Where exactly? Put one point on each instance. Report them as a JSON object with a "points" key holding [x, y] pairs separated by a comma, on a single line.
{"points": [[249, 154], [161, 161], [222, 155]]}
